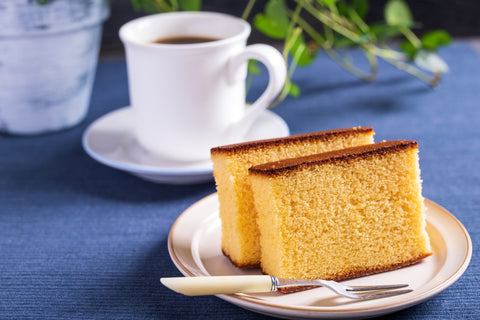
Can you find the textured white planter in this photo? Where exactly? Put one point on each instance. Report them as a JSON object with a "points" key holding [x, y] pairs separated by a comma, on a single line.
{"points": [[48, 58]]}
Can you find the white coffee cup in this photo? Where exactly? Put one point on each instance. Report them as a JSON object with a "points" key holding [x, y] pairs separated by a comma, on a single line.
{"points": [[188, 98]]}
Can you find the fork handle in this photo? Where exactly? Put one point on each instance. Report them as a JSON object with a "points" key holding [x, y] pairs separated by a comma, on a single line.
{"points": [[197, 286]]}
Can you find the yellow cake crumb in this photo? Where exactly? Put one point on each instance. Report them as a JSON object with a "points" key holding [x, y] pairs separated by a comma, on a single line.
{"points": [[341, 214], [240, 233]]}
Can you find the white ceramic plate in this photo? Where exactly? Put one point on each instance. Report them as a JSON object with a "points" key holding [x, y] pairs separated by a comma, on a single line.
{"points": [[110, 140], [194, 246]]}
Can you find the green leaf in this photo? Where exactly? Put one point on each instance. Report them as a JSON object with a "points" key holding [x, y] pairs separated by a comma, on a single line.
{"points": [[155, 6], [364, 38], [384, 32], [342, 8], [190, 5], [407, 47], [253, 67], [327, 3], [433, 39], [361, 7], [267, 27], [397, 13], [343, 42], [274, 21], [293, 89], [430, 61], [301, 52], [136, 4]]}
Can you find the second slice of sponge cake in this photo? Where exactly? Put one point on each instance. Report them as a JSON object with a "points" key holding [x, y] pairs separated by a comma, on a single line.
{"points": [[240, 235], [341, 214]]}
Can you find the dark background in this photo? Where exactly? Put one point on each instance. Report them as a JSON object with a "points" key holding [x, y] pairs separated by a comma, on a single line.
{"points": [[461, 18]]}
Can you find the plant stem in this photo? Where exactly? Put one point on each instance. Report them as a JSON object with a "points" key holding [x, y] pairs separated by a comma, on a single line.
{"points": [[328, 21], [388, 53], [175, 5], [354, 70], [290, 41], [411, 37], [358, 20], [162, 6], [337, 27], [295, 16], [309, 30], [328, 45], [248, 9], [432, 81]]}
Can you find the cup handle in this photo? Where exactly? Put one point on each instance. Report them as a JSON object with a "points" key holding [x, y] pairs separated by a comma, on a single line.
{"points": [[277, 72]]}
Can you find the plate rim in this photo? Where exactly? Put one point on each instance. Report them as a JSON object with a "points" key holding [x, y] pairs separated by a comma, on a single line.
{"points": [[251, 303]]}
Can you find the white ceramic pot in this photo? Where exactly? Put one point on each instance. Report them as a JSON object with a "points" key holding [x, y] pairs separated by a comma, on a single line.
{"points": [[48, 59]]}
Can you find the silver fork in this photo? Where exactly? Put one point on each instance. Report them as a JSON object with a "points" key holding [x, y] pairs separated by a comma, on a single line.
{"points": [[207, 285], [352, 292]]}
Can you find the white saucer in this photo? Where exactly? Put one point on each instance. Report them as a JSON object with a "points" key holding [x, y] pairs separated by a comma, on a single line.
{"points": [[110, 140], [194, 246]]}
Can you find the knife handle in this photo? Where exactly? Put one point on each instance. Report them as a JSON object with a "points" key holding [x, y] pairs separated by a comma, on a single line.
{"points": [[197, 286]]}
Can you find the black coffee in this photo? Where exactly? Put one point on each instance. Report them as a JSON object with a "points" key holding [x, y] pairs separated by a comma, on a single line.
{"points": [[184, 40]]}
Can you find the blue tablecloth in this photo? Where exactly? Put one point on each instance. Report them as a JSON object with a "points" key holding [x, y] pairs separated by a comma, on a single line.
{"points": [[79, 240]]}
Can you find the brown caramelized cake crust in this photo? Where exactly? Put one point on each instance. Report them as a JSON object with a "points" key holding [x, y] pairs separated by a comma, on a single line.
{"points": [[359, 274], [277, 167], [323, 135]]}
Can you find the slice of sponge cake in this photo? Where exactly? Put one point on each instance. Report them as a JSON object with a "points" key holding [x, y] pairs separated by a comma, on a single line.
{"points": [[341, 214], [240, 234]]}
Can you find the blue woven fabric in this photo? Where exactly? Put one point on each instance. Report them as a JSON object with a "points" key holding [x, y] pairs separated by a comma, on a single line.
{"points": [[79, 240]]}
